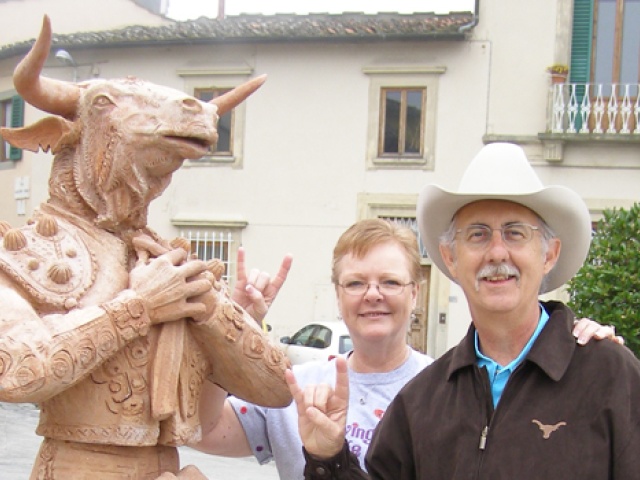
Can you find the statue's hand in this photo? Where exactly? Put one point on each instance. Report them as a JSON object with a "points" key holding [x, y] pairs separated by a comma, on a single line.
{"points": [[208, 299], [171, 287]]}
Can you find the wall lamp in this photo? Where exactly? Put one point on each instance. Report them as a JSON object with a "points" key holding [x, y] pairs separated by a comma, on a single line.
{"points": [[66, 59]]}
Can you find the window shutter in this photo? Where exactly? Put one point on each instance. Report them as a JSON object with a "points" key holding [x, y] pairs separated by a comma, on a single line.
{"points": [[17, 121], [581, 42]]}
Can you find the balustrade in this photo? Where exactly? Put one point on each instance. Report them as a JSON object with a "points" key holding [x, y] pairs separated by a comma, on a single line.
{"points": [[586, 108]]}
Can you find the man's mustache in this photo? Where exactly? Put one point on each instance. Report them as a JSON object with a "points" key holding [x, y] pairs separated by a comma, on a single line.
{"points": [[497, 270]]}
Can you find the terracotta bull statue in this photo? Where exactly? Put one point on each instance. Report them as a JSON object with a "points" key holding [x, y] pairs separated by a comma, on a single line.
{"points": [[111, 329]]}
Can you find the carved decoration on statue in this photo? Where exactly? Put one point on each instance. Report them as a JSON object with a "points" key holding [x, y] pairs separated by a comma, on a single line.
{"points": [[111, 329]]}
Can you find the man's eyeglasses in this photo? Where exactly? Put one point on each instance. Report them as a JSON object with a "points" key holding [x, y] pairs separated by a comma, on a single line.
{"points": [[386, 287], [513, 235]]}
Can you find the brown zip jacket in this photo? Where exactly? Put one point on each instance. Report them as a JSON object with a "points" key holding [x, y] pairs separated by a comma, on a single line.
{"points": [[567, 412]]}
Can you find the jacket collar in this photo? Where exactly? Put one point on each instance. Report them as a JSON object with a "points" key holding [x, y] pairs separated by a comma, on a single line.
{"points": [[552, 351]]}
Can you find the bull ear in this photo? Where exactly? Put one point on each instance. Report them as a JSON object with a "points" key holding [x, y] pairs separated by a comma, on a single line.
{"points": [[48, 133]]}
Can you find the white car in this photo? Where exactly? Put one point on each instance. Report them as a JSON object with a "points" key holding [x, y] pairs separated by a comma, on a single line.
{"points": [[317, 341]]}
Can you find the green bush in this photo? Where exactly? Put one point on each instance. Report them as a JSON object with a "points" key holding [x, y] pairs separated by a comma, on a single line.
{"points": [[607, 287]]}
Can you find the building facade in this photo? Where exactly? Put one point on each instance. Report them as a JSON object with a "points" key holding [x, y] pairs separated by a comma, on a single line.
{"points": [[358, 113]]}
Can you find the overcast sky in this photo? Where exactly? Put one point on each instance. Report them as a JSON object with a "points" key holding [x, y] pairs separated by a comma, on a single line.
{"points": [[191, 9]]}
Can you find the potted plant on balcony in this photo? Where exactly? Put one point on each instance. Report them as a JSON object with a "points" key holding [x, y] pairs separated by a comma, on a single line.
{"points": [[558, 72]]}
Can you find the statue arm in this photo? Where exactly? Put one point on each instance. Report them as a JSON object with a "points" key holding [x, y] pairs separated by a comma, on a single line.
{"points": [[243, 360], [42, 356]]}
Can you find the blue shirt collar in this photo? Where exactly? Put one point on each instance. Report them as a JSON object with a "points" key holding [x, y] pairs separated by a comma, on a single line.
{"points": [[499, 374]]}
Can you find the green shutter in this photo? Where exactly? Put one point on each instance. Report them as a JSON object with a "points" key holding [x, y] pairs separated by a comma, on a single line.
{"points": [[581, 40], [581, 36], [17, 121]]}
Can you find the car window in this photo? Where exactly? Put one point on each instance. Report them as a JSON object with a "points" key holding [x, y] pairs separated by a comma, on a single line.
{"points": [[321, 337], [303, 335], [345, 344]]}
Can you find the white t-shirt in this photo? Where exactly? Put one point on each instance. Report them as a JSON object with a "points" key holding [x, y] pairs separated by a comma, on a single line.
{"points": [[273, 432]]}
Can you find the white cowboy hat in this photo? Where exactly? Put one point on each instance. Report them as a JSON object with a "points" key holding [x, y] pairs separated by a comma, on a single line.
{"points": [[502, 171]]}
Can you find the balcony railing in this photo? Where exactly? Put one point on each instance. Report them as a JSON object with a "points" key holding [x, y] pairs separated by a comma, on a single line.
{"points": [[601, 109]]}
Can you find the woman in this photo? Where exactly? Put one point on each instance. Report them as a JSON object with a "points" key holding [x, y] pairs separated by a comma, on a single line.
{"points": [[376, 274]]}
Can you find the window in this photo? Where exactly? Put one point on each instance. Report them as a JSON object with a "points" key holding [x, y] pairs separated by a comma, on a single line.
{"points": [[207, 84], [605, 46], [402, 115], [213, 238], [11, 116], [345, 344], [400, 208], [225, 123], [616, 41], [402, 122], [320, 336], [209, 244], [605, 60], [412, 224], [303, 336]]}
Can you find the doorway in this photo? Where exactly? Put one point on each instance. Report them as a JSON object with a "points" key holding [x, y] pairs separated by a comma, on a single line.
{"points": [[417, 334]]}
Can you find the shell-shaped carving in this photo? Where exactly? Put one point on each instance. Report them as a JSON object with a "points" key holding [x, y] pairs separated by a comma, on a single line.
{"points": [[60, 273], [14, 240], [47, 226], [4, 227], [216, 267], [181, 242], [70, 303]]}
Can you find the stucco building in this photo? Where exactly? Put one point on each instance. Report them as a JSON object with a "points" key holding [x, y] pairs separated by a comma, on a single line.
{"points": [[358, 113]]}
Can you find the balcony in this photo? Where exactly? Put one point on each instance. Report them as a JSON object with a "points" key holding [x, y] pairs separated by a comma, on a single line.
{"points": [[586, 112], [595, 109]]}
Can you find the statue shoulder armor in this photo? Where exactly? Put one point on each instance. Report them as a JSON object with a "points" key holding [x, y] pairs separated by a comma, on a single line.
{"points": [[49, 260]]}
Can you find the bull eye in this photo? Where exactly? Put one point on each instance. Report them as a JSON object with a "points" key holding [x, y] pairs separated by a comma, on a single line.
{"points": [[102, 101]]}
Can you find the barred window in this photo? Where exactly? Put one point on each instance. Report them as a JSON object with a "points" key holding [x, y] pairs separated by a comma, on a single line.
{"points": [[412, 224], [209, 244]]}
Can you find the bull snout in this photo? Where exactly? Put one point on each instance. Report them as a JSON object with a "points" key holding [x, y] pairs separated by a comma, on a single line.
{"points": [[191, 105]]}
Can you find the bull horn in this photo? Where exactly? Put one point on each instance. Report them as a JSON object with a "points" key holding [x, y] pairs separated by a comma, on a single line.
{"points": [[236, 96], [47, 94]]}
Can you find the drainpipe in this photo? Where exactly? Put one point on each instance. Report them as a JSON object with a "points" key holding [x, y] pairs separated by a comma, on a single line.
{"points": [[473, 23]]}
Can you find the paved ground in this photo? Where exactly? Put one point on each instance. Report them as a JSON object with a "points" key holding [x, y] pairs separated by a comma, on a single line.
{"points": [[19, 445]]}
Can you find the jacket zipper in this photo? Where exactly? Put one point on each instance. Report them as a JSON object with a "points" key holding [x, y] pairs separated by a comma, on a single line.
{"points": [[490, 411], [483, 437], [486, 394]]}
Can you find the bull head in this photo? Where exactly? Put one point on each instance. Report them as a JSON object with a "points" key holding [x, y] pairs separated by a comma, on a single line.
{"points": [[62, 98], [116, 142]]}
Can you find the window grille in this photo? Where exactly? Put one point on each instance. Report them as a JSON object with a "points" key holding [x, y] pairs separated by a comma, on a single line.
{"points": [[412, 224], [208, 245]]}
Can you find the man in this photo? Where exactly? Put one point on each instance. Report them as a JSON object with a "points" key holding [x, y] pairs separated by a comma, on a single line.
{"points": [[517, 398]]}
